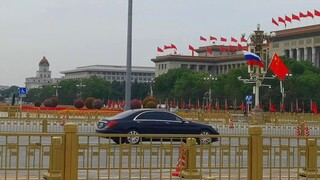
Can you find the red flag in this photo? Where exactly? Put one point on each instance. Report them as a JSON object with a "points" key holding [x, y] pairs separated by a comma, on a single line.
{"points": [[202, 38], [242, 106], [191, 48], [316, 13], [231, 48], [160, 50], [209, 50], [217, 104], [280, 19], [272, 107], [223, 49], [295, 17], [288, 18], [226, 106], [173, 46], [212, 38], [310, 14], [243, 39], [223, 39], [274, 22], [301, 15], [167, 47], [234, 40], [314, 108], [240, 48], [278, 67]]}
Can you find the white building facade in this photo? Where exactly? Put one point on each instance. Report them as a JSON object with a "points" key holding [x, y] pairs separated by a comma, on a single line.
{"points": [[111, 73], [43, 76]]}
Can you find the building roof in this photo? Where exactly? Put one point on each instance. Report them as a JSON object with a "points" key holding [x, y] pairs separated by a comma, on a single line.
{"points": [[235, 57], [304, 31], [110, 68], [44, 61]]}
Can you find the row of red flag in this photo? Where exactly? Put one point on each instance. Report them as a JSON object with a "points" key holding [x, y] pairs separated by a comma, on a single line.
{"points": [[297, 109], [222, 48], [294, 17], [222, 39]]}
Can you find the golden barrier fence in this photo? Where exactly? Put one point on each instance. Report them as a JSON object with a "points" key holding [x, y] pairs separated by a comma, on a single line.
{"points": [[70, 156], [217, 117]]}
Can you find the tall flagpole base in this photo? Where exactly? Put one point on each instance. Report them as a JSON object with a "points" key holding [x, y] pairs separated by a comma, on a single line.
{"points": [[256, 116]]}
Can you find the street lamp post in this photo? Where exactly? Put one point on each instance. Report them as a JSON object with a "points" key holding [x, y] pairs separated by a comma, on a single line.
{"points": [[80, 85], [283, 94], [210, 79], [151, 89], [57, 86], [257, 74]]}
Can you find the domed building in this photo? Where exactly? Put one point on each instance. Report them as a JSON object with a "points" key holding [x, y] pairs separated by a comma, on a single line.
{"points": [[43, 76]]}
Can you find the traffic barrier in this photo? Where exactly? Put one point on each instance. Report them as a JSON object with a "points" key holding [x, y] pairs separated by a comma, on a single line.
{"points": [[307, 131], [231, 124], [298, 130], [182, 160]]}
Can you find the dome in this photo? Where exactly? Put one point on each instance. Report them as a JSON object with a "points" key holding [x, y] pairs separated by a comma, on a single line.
{"points": [[44, 61]]}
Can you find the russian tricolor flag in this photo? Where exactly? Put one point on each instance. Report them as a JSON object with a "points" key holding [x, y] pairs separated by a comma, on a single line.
{"points": [[253, 59]]}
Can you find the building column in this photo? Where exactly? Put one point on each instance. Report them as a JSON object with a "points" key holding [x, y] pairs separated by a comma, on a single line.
{"points": [[291, 53], [298, 55], [313, 55], [305, 56]]}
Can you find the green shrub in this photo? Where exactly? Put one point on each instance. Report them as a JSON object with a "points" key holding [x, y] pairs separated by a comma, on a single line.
{"points": [[78, 103], [47, 103], [148, 99], [97, 104], [54, 101], [88, 102], [135, 104], [37, 103]]}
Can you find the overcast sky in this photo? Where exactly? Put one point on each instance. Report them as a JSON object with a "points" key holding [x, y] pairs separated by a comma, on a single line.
{"points": [[73, 33]]}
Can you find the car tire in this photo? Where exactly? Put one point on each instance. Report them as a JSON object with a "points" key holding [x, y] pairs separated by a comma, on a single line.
{"points": [[133, 139], [205, 140]]}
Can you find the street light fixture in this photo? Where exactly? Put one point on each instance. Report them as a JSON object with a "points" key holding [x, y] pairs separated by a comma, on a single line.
{"points": [[57, 86], [210, 79], [80, 85], [257, 74], [283, 95], [151, 83]]}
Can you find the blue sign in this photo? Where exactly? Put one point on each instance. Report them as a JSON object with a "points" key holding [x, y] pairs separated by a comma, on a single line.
{"points": [[249, 99], [22, 92]]}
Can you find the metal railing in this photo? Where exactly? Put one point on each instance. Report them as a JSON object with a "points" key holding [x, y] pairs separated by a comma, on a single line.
{"points": [[70, 155]]}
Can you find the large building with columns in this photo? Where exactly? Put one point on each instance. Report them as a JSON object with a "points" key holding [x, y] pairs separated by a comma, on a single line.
{"points": [[301, 43], [215, 63]]}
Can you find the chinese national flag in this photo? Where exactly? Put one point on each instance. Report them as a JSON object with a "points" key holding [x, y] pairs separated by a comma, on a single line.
{"points": [[295, 17], [301, 15], [209, 50], [310, 14], [160, 50], [191, 48], [288, 19], [223, 49], [202, 38], [213, 38], [240, 48], [231, 48], [314, 108], [234, 40], [278, 67], [272, 107], [223, 39], [316, 13], [275, 22]]}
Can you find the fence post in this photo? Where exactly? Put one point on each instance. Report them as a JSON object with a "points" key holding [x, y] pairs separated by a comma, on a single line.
{"points": [[190, 172], [71, 142], [255, 154], [45, 126], [56, 160], [311, 170]]}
